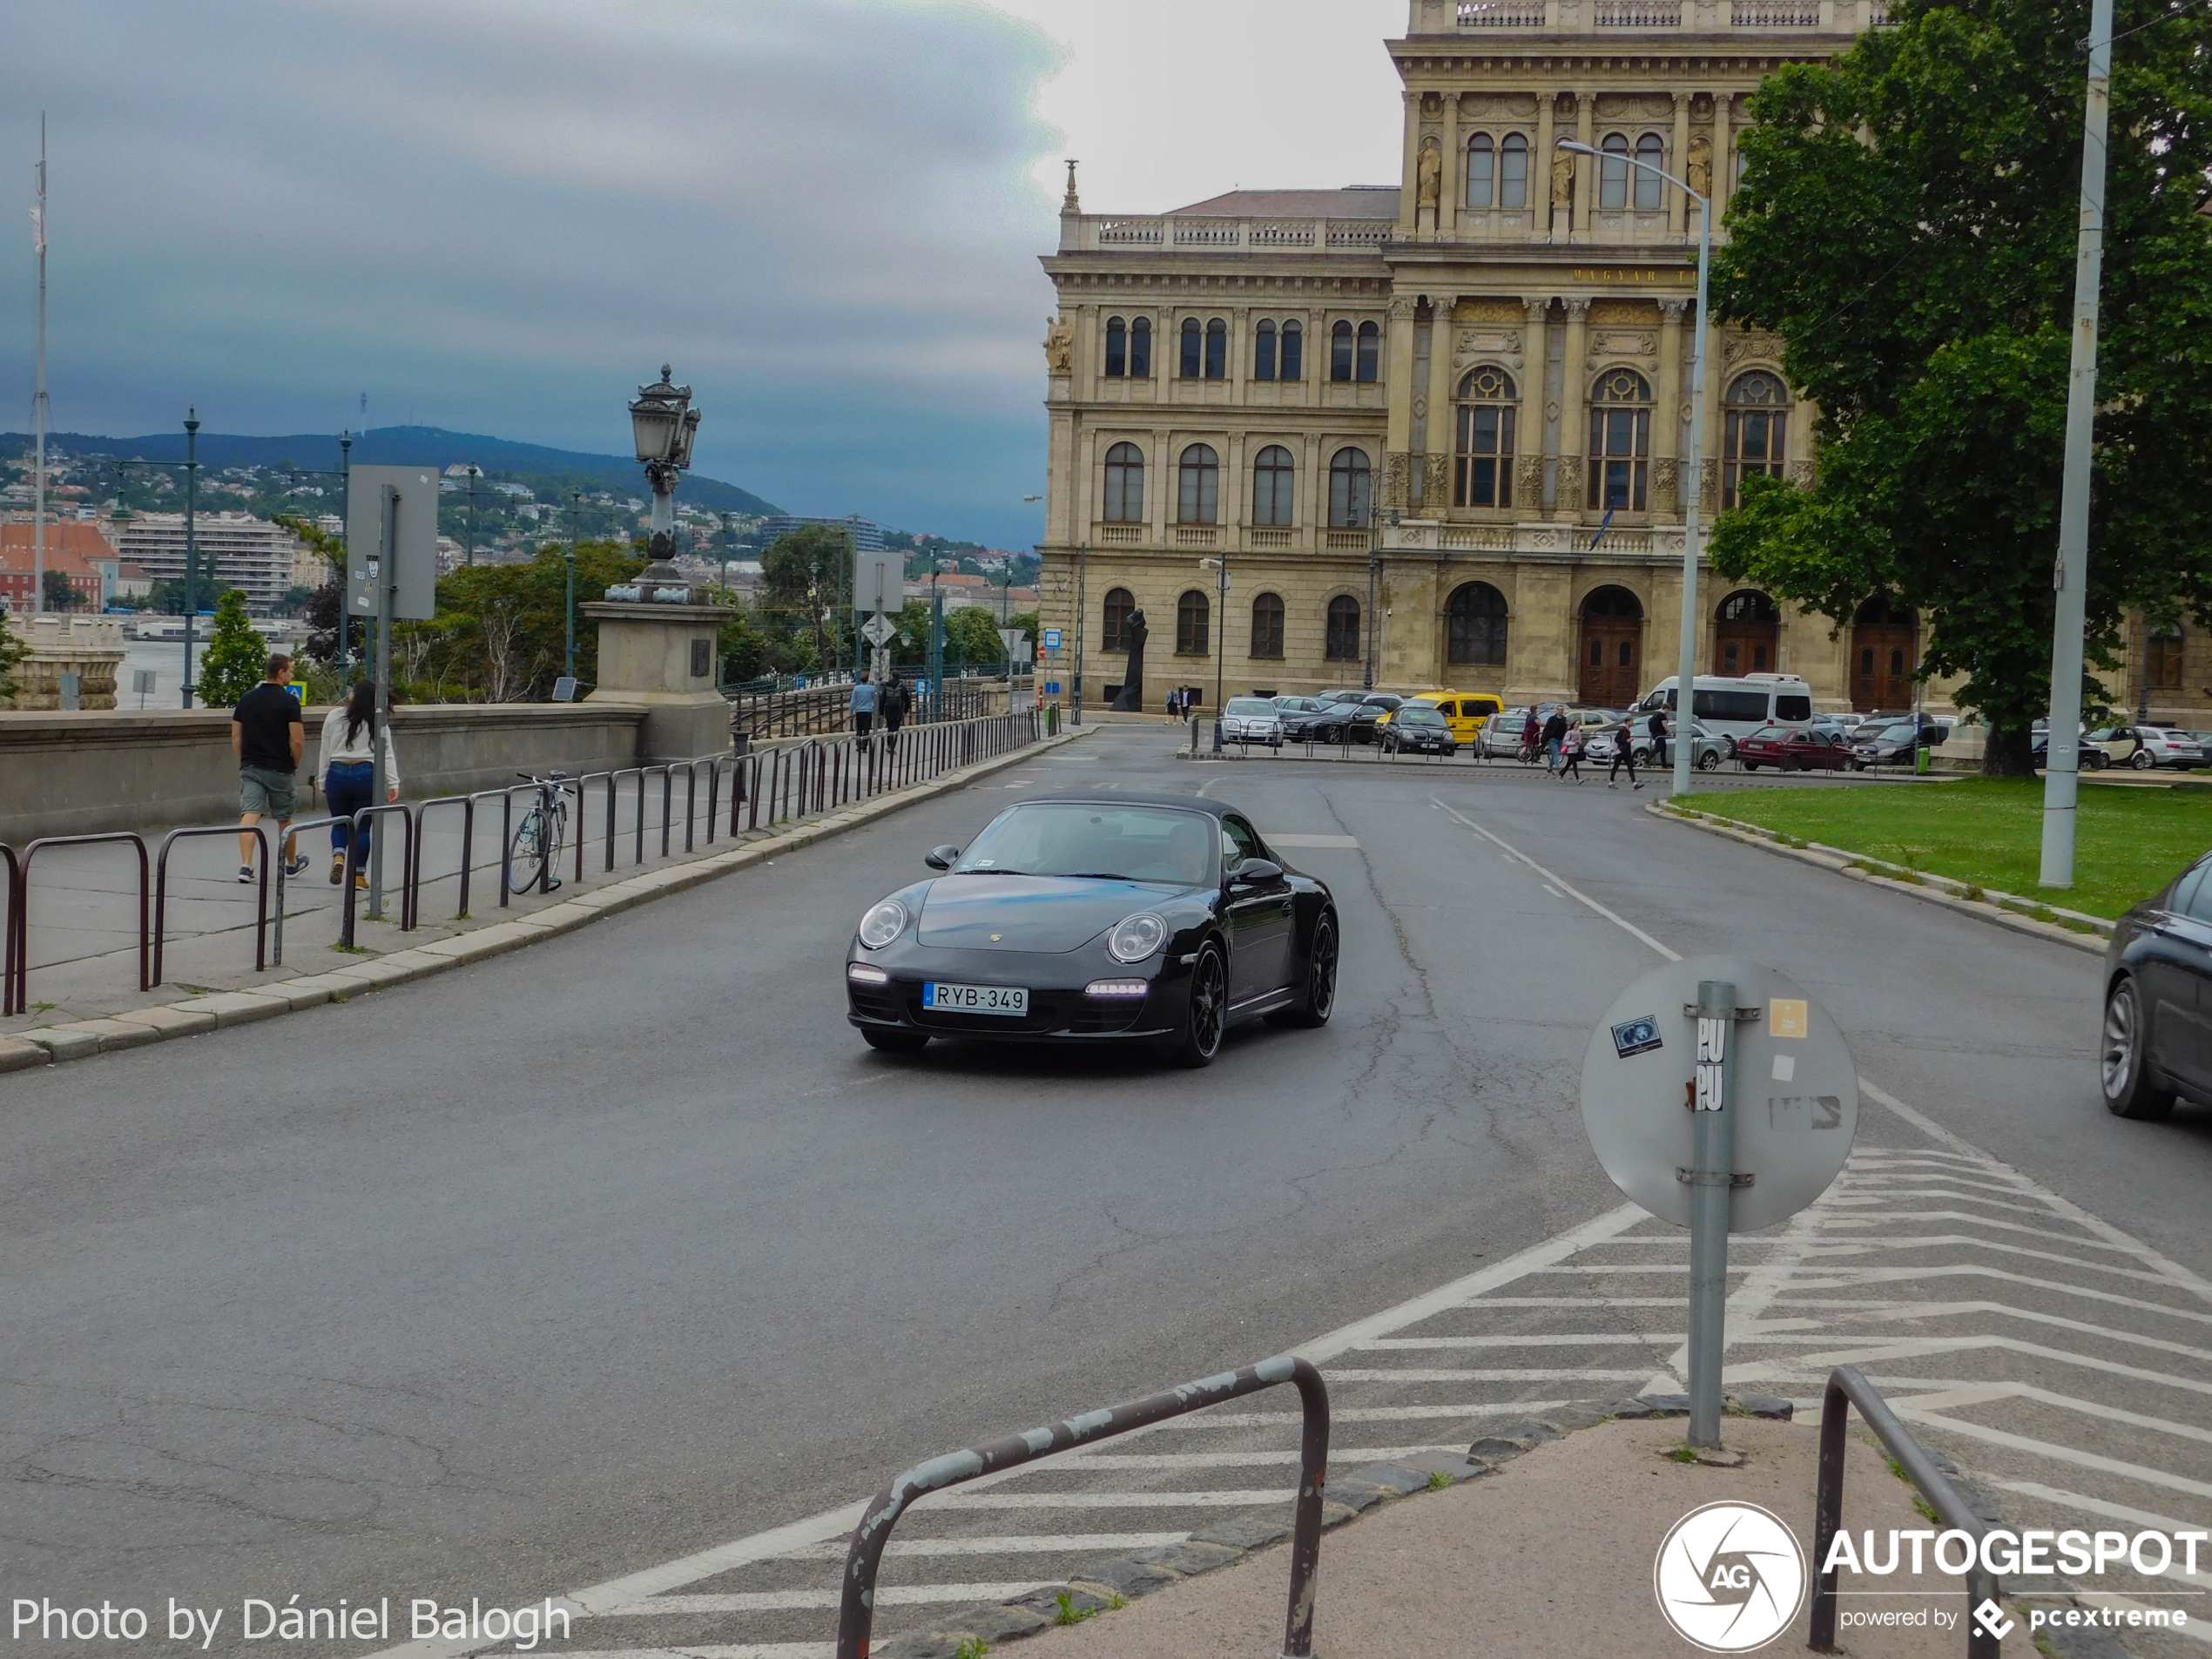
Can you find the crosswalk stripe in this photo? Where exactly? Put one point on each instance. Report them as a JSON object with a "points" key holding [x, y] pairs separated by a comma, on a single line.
{"points": [[1015, 1544], [970, 1499], [788, 1601]]}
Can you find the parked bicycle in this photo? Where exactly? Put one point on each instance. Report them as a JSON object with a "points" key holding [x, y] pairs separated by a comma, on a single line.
{"points": [[535, 853]]}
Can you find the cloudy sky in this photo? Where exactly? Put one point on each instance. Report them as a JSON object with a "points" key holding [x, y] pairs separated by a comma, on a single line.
{"points": [[501, 215]]}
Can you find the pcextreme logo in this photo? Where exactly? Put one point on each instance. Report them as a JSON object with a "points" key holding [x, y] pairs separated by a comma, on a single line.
{"points": [[1729, 1577]]}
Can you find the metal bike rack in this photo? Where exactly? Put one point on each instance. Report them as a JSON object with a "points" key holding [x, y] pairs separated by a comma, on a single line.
{"points": [[1847, 1388], [8, 929], [856, 1614], [363, 821], [467, 805], [20, 918], [161, 890]]}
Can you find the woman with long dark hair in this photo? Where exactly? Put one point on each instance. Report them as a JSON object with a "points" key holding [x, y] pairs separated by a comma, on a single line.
{"points": [[349, 774]]}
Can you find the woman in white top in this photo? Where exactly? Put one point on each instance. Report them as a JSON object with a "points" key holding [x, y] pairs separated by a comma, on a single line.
{"points": [[349, 774]]}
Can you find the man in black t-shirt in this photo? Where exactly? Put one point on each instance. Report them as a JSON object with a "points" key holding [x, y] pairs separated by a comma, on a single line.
{"points": [[268, 736]]}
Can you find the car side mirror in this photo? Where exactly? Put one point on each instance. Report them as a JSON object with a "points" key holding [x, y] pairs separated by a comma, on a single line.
{"points": [[1254, 873], [940, 858]]}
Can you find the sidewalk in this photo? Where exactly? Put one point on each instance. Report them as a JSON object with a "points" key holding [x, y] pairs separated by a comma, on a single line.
{"points": [[84, 916], [1546, 1556]]}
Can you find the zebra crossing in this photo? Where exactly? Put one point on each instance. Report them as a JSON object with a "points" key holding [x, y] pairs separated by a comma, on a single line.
{"points": [[2057, 1360]]}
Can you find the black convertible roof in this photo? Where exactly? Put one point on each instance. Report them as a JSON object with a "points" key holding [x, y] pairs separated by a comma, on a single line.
{"points": [[1132, 798]]}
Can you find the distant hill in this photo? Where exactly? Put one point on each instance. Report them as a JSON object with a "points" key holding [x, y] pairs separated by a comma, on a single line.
{"points": [[408, 446]]}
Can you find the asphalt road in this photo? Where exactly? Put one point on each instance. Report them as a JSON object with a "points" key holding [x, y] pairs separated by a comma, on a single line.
{"points": [[607, 1251]]}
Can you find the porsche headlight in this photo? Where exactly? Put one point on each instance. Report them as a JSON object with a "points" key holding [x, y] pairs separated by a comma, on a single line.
{"points": [[1136, 937], [883, 924]]}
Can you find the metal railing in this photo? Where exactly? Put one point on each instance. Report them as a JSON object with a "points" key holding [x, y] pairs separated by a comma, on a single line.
{"points": [[1846, 1388], [765, 788], [856, 1614]]}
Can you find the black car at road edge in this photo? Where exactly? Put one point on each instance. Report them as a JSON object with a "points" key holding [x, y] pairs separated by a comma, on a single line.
{"points": [[2158, 999], [1121, 918]]}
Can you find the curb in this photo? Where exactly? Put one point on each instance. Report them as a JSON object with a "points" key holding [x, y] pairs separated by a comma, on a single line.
{"points": [[51, 1044], [1942, 890], [1238, 1537]]}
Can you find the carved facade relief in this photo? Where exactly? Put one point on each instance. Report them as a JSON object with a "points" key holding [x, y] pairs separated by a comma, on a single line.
{"points": [[1633, 106], [1701, 164], [1619, 344], [1570, 483], [1432, 173], [1756, 344], [1666, 477], [1709, 482], [1487, 342], [1397, 475], [1801, 474], [1059, 347], [1529, 480], [1643, 312], [1488, 310]]}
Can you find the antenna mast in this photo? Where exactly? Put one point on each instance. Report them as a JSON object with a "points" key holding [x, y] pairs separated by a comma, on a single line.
{"points": [[38, 402]]}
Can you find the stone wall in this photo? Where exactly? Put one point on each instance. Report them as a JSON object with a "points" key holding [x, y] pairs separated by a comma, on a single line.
{"points": [[82, 773]]}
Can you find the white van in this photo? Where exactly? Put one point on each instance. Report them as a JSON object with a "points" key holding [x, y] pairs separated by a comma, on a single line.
{"points": [[1739, 705]]}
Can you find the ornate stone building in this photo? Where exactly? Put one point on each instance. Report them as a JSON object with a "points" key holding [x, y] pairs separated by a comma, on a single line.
{"points": [[1437, 430]]}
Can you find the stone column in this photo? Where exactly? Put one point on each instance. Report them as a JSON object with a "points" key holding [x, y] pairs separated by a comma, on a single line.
{"points": [[662, 658], [1574, 420], [1529, 440], [1240, 347], [1586, 167], [1678, 213], [1400, 396], [1723, 154], [1540, 173], [1667, 418], [1162, 487], [1453, 195], [1409, 193]]}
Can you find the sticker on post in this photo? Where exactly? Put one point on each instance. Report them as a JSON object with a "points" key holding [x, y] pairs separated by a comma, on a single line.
{"points": [[1639, 1036], [1786, 1017]]}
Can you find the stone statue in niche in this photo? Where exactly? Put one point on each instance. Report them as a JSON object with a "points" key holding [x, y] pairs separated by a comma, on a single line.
{"points": [[1431, 187], [1059, 347], [1131, 700], [1701, 164], [1563, 179]]}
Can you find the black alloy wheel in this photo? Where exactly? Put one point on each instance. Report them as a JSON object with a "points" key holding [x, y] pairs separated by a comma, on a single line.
{"points": [[1319, 999], [2123, 1057], [1208, 1015], [885, 1041]]}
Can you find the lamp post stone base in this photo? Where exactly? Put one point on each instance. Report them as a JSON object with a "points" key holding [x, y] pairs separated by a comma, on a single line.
{"points": [[663, 658]]}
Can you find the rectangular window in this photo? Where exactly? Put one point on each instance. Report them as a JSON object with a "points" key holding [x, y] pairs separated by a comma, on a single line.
{"points": [[1294, 352], [1513, 174], [1191, 363], [1217, 351], [1117, 349], [1485, 462], [1264, 353]]}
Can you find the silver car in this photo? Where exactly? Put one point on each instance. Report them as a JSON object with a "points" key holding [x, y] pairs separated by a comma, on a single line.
{"points": [[1252, 719], [1501, 736], [1712, 747]]}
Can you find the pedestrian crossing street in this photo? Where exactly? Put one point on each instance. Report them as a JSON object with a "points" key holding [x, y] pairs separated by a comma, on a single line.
{"points": [[2057, 1360]]}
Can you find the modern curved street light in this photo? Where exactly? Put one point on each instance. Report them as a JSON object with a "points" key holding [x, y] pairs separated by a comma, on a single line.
{"points": [[1686, 672]]}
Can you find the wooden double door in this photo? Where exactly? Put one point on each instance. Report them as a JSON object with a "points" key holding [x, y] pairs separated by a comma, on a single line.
{"points": [[1612, 665], [1883, 657]]}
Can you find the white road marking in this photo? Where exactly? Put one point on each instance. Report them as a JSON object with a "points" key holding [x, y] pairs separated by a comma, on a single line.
{"points": [[1339, 1456], [743, 1650], [1394, 1374], [1014, 1544], [1568, 888], [968, 1498], [1276, 839], [784, 1600]]}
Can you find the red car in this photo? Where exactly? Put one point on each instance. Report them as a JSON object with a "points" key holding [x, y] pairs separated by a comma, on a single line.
{"points": [[1794, 748]]}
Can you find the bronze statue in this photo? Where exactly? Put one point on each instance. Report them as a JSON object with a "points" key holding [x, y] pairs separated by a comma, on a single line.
{"points": [[1131, 697]]}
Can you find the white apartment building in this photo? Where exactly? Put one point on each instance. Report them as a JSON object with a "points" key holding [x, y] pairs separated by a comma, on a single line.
{"points": [[236, 551]]}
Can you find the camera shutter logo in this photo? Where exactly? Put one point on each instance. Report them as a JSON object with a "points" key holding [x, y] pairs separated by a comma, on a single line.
{"points": [[1729, 1577]]}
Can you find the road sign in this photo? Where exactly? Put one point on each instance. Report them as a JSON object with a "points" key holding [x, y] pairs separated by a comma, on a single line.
{"points": [[1052, 639], [1790, 1087], [879, 580], [1013, 640], [879, 631], [415, 598], [1052, 688]]}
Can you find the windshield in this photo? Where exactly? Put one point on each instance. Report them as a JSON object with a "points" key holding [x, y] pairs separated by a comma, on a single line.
{"points": [[1071, 837], [1251, 705], [1419, 717]]}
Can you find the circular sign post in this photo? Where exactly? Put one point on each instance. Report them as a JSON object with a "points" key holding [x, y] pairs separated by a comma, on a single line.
{"points": [[1721, 1098]]}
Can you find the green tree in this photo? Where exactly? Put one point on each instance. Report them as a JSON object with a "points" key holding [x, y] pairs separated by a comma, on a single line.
{"points": [[61, 593], [803, 576], [237, 657], [1906, 223], [12, 651], [499, 633]]}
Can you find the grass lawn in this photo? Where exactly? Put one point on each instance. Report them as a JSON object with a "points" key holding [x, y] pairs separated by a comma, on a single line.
{"points": [[1989, 831]]}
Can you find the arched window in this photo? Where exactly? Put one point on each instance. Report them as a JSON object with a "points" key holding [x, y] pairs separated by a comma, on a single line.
{"points": [[1483, 162], [1370, 351], [1140, 349], [1483, 466], [1264, 352], [1757, 431], [1619, 441], [1475, 630], [1747, 635], [1613, 171], [1747, 604], [2163, 659], [1216, 350], [1125, 484], [1350, 490], [1117, 348], [1120, 606], [1199, 487], [1343, 644], [1653, 149], [1883, 611], [1193, 624], [1273, 491], [1193, 339], [1513, 171], [1267, 626], [1341, 352], [1294, 351]]}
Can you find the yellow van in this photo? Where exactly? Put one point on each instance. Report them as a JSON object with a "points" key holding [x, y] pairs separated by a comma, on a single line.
{"points": [[1466, 712]]}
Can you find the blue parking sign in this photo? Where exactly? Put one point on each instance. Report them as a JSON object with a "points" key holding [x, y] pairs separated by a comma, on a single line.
{"points": [[1052, 688], [1052, 641]]}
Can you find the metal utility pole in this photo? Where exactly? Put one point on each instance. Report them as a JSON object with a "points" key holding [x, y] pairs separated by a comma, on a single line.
{"points": [[191, 540], [1712, 1182], [575, 509], [384, 571], [38, 400], [2061, 771], [475, 473], [1083, 623]]}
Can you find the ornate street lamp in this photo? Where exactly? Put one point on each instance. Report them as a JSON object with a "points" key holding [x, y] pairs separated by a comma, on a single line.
{"points": [[664, 424]]}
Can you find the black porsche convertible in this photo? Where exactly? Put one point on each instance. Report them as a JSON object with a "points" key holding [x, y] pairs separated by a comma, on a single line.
{"points": [[1122, 918]]}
